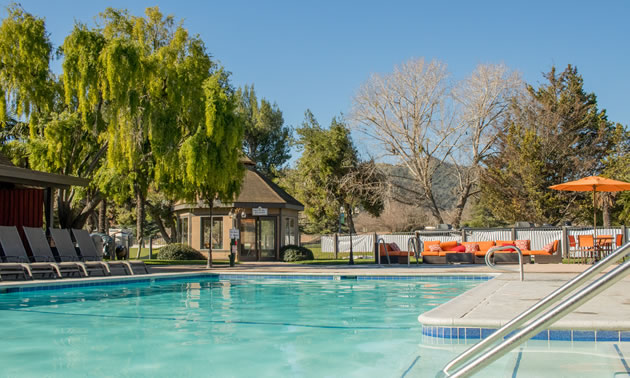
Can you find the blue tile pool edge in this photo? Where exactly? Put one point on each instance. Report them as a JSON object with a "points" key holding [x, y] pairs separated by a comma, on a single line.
{"points": [[109, 281], [573, 335]]}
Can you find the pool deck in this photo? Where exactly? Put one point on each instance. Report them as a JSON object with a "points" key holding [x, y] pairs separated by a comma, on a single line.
{"points": [[489, 305]]}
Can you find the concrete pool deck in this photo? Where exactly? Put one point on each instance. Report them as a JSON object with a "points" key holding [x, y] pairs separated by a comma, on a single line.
{"points": [[489, 305]]}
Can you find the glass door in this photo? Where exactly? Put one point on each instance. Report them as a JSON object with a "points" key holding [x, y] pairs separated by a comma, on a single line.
{"points": [[249, 250], [267, 238]]}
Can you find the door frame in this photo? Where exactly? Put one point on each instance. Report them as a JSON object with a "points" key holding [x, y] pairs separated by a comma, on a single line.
{"points": [[257, 241]]}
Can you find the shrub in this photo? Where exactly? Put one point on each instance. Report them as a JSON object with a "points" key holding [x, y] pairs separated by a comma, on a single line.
{"points": [[178, 251], [290, 253]]}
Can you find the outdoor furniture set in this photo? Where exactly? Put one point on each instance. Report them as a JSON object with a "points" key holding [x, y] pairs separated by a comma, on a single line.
{"points": [[474, 252], [587, 250], [62, 259]]}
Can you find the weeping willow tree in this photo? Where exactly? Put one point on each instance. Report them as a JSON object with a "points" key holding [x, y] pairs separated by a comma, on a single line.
{"points": [[40, 130], [26, 83], [211, 154], [138, 99], [152, 75]]}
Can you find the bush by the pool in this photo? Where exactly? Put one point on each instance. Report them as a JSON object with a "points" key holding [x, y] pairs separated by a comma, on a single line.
{"points": [[177, 251], [290, 253]]}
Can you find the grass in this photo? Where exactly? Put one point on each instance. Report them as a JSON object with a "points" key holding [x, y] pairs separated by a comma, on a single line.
{"points": [[333, 262], [321, 258], [328, 258], [144, 254]]}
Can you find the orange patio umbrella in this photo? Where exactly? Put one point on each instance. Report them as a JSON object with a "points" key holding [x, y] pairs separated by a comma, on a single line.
{"points": [[593, 184]]}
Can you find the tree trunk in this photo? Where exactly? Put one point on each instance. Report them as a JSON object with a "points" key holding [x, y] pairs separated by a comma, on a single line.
{"points": [[461, 204], [435, 210], [102, 218], [67, 215], [155, 214], [605, 212], [209, 264], [172, 225], [139, 220]]}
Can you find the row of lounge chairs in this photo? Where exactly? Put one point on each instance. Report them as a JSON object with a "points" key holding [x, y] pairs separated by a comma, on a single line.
{"points": [[62, 260]]}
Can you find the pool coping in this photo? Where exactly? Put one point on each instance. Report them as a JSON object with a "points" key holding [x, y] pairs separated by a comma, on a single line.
{"points": [[43, 285], [477, 313]]}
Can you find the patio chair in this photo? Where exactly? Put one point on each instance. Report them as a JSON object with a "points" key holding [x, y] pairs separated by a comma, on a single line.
{"points": [[618, 240], [68, 265], [587, 247], [88, 251], [573, 247], [67, 254], [15, 257]]}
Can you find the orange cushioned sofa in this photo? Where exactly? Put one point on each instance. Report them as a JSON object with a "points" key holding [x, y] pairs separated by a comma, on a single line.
{"points": [[395, 254], [507, 256]]}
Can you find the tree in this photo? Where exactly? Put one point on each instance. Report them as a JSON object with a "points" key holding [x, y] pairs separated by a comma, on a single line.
{"points": [[330, 175], [266, 140], [151, 78], [616, 206], [554, 134], [484, 99], [40, 130], [414, 116], [26, 83], [129, 111], [211, 154]]}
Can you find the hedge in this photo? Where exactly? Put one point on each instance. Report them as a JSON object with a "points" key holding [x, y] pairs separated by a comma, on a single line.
{"points": [[178, 251], [290, 253]]}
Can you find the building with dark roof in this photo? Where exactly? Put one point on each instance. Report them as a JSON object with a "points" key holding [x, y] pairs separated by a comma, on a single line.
{"points": [[265, 215], [26, 195]]}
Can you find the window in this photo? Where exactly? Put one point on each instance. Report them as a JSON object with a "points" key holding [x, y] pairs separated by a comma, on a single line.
{"points": [[290, 231], [183, 226], [217, 233]]}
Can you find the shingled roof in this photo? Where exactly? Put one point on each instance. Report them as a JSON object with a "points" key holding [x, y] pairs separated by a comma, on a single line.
{"points": [[257, 189]]}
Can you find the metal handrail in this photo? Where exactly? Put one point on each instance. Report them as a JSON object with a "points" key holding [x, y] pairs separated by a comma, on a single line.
{"points": [[412, 244], [378, 247], [460, 362], [491, 252]]}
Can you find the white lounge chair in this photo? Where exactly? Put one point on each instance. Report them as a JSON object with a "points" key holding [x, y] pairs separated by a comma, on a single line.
{"points": [[65, 249], [16, 257], [88, 251]]}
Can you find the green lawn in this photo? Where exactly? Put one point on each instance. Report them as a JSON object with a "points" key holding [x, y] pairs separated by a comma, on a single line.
{"points": [[144, 254], [321, 258]]}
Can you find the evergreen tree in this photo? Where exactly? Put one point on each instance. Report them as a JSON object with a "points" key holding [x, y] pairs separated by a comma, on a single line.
{"points": [[330, 175], [266, 140], [555, 134]]}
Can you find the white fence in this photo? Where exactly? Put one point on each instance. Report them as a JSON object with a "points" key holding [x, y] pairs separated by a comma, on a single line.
{"points": [[538, 237], [363, 242]]}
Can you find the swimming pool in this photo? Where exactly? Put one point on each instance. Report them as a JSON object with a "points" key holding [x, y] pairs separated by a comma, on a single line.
{"points": [[236, 327]]}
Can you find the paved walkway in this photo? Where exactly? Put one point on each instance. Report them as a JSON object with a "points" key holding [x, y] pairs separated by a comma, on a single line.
{"points": [[494, 303]]}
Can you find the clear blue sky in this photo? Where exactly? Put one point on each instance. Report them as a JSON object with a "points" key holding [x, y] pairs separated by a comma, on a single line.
{"points": [[315, 55]]}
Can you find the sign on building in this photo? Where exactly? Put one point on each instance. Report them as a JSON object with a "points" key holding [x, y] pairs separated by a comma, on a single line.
{"points": [[234, 233], [259, 211]]}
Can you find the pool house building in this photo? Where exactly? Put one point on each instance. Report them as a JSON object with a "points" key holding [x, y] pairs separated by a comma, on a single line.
{"points": [[265, 215]]}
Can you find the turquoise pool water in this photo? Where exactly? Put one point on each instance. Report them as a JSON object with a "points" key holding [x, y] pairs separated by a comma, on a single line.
{"points": [[220, 327], [258, 327]]}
